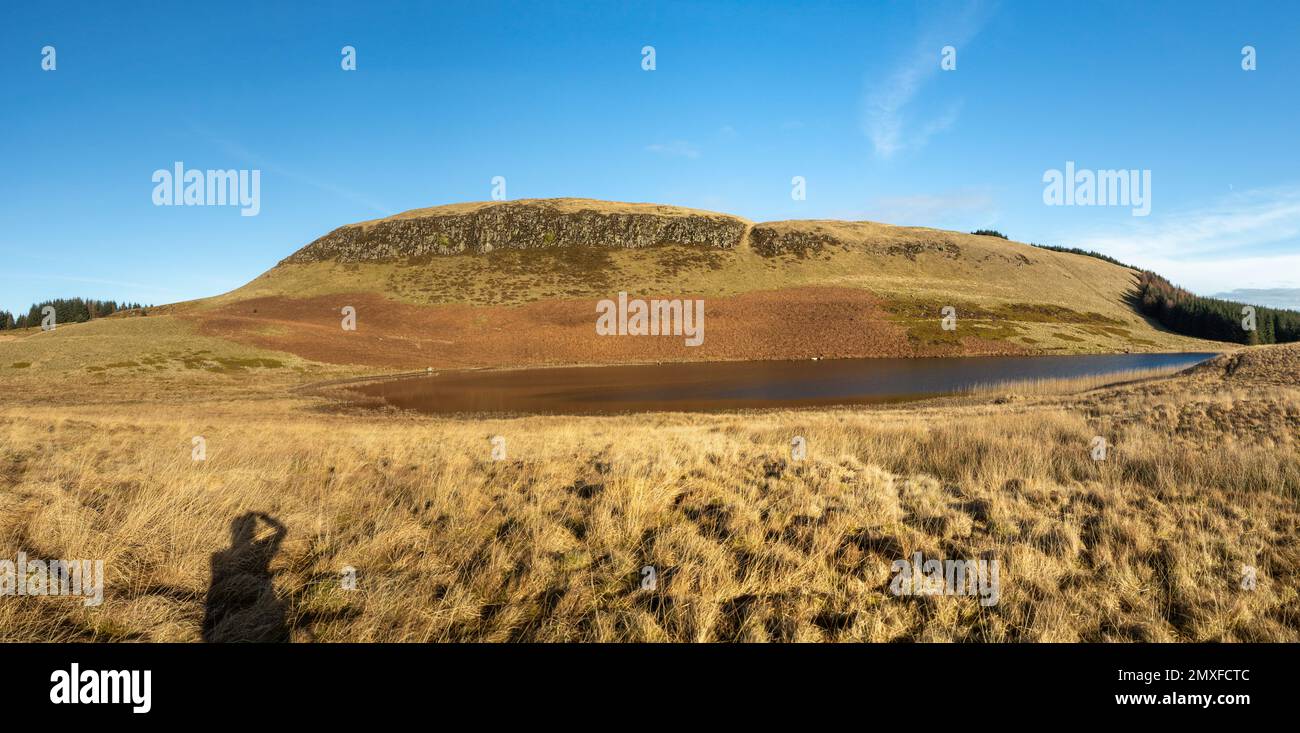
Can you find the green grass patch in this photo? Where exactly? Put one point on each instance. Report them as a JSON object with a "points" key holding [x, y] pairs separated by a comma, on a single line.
{"points": [[993, 322], [924, 308]]}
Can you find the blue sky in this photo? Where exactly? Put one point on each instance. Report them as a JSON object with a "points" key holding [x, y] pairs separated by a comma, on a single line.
{"points": [[552, 96]]}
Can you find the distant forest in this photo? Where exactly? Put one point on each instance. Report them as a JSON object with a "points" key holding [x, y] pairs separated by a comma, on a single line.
{"points": [[66, 310], [1192, 315], [1086, 253], [1212, 318]]}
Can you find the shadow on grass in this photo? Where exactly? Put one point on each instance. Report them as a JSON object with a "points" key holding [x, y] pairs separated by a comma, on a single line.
{"points": [[242, 604]]}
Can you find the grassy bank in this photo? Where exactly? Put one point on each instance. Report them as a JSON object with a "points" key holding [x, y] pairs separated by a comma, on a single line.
{"points": [[1201, 478]]}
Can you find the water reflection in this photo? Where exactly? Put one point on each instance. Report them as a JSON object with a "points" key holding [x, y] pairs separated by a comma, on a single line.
{"points": [[735, 385]]}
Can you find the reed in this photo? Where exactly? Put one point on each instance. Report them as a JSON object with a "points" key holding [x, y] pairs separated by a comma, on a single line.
{"points": [[1071, 385]]}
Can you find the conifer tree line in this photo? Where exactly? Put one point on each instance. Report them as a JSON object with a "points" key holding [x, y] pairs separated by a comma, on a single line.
{"points": [[1212, 318], [66, 310], [1189, 314], [1085, 252]]}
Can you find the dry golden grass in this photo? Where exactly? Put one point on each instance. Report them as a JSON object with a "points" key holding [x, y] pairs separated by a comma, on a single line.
{"points": [[565, 205], [1071, 385], [1202, 477], [153, 360]]}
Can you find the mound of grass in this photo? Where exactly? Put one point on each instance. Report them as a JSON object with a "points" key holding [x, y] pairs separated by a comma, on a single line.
{"points": [[150, 356]]}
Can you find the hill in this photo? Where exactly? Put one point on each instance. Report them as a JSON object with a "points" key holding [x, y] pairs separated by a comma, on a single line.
{"points": [[515, 283], [99, 420]]}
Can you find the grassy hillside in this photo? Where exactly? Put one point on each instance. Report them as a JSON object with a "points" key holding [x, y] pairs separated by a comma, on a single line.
{"points": [[154, 359], [518, 285]]}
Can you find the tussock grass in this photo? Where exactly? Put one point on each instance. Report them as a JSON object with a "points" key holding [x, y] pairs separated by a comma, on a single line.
{"points": [[1201, 478]]}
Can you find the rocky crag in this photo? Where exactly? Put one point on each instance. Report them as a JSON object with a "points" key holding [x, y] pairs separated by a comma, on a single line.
{"points": [[525, 224]]}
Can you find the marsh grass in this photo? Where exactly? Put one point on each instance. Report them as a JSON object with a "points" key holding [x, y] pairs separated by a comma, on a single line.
{"points": [[749, 544], [1071, 385]]}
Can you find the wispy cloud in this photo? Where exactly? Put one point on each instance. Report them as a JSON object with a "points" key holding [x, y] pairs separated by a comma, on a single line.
{"points": [[356, 198], [1275, 297], [1242, 220], [1227, 273], [675, 149], [1240, 241], [93, 281], [239, 151], [886, 117], [974, 207]]}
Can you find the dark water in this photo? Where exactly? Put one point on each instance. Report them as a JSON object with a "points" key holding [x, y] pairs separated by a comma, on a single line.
{"points": [[736, 385]]}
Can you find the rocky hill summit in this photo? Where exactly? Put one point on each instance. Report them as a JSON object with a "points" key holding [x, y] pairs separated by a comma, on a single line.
{"points": [[517, 283], [482, 227]]}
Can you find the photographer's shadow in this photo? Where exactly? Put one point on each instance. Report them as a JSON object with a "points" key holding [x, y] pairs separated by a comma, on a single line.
{"points": [[242, 604]]}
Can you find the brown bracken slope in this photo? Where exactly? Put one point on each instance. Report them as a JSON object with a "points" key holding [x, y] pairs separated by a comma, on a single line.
{"points": [[503, 284]]}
